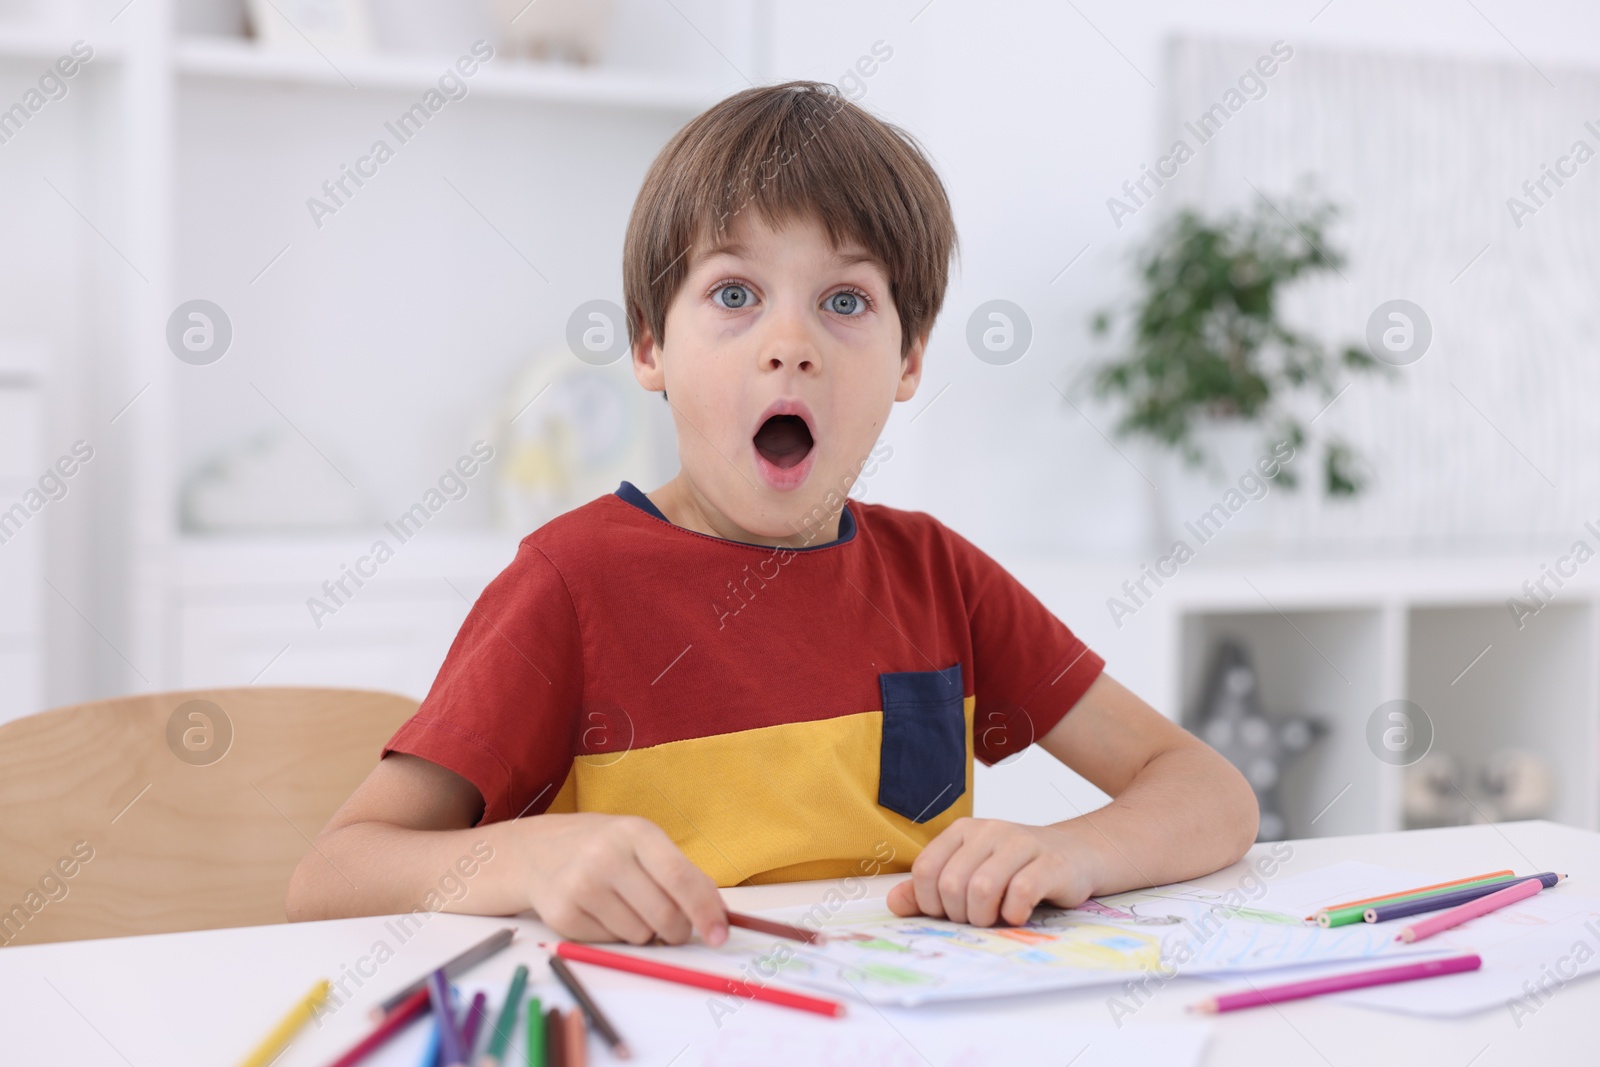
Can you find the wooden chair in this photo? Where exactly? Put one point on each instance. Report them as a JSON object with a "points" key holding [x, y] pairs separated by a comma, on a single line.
{"points": [[174, 811]]}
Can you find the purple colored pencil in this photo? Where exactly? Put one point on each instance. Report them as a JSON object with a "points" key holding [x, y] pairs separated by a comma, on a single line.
{"points": [[1382, 913], [1339, 983], [449, 1036], [469, 1030]]}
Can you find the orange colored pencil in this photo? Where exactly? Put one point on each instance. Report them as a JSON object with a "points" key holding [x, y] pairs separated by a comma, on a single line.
{"points": [[1408, 892], [577, 1050]]}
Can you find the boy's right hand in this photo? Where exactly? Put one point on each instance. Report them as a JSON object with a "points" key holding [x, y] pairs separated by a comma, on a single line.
{"points": [[597, 877]]}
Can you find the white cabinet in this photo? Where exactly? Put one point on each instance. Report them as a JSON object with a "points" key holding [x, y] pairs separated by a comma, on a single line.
{"points": [[1336, 641]]}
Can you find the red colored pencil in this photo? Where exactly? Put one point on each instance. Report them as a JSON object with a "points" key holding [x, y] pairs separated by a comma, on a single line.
{"points": [[413, 1007], [699, 979]]}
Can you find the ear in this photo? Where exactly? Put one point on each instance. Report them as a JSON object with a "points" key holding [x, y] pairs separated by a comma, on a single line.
{"points": [[647, 366], [911, 369]]}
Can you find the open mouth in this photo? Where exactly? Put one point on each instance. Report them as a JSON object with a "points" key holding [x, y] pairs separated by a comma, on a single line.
{"points": [[784, 441]]}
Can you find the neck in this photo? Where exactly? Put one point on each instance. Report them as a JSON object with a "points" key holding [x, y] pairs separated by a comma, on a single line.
{"points": [[681, 501]]}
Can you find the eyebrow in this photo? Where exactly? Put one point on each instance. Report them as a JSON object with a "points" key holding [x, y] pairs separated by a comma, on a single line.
{"points": [[741, 251]]}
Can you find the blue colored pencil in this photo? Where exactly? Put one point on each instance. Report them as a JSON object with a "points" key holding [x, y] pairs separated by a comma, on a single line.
{"points": [[430, 1051], [449, 1036]]}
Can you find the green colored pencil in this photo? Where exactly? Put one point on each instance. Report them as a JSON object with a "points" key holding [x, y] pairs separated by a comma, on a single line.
{"points": [[1357, 912], [535, 1033], [506, 1021]]}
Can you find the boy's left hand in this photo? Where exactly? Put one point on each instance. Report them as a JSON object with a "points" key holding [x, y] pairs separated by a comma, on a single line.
{"points": [[981, 870]]}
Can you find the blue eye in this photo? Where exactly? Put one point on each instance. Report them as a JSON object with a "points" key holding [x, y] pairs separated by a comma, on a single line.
{"points": [[845, 303], [732, 296]]}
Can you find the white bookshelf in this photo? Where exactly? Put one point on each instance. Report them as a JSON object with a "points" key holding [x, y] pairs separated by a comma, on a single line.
{"points": [[185, 162], [1334, 640]]}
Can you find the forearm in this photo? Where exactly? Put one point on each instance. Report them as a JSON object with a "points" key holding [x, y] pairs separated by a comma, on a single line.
{"points": [[377, 868], [1187, 813]]}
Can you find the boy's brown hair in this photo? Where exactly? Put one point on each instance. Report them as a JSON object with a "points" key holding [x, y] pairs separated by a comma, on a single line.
{"points": [[790, 151]]}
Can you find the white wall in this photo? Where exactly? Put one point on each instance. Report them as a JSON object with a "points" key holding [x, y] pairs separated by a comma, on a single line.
{"points": [[1035, 113]]}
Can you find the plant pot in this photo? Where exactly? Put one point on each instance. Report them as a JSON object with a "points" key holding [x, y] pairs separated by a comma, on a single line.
{"points": [[1227, 507]]}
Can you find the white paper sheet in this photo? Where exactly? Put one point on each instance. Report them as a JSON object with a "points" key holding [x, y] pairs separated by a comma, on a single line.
{"points": [[1302, 895], [878, 957], [1531, 951]]}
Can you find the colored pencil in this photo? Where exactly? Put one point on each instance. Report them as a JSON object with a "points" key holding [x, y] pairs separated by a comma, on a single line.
{"points": [[430, 1051], [699, 979], [597, 1018], [535, 1033], [1405, 909], [575, 1050], [1316, 987], [1355, 913], [474, 1023], [555, 1038], [391, 1024], [303, 1011], [449, 1035], [1470, 910], [500, 1036], [452, 968], [776, 929], [1388, 898]]}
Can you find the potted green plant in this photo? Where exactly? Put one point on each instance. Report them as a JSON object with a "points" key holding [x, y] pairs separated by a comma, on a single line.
{"points": [[1207, 354]]}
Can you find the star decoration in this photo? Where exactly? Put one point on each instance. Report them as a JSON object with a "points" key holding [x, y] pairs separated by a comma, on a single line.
{"points": [[1231, 721]]}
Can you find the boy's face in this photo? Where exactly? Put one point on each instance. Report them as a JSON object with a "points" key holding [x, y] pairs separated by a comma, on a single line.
{"points": [[781, 363]]}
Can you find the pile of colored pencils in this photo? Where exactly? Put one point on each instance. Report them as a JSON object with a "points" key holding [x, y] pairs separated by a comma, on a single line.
{"points": [[1454, 902]]}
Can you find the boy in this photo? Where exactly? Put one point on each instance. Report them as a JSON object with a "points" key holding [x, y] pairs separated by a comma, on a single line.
{"points": [[739, 677]]}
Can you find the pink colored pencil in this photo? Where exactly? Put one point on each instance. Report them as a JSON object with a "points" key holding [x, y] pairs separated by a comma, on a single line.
{"points": [[1316, 987], [1444, 920]]}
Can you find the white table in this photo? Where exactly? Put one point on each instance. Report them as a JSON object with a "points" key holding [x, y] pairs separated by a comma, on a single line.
{"points": [[205, 997]]}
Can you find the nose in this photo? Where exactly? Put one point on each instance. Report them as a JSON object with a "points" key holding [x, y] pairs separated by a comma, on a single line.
{"points": [[788, 344]]}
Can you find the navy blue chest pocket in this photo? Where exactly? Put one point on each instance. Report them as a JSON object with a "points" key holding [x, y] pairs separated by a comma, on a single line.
{"points": [[922, 769]]}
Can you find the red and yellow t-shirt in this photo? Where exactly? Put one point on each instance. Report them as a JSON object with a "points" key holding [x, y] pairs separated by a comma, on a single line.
{"points": [[782, 714]]}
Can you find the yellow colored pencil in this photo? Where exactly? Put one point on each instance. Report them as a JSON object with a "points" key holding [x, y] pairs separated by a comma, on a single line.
{"points": [[281, 1034]]}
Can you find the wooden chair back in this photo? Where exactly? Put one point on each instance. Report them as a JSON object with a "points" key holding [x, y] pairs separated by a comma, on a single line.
{"points": [[174, 811]]}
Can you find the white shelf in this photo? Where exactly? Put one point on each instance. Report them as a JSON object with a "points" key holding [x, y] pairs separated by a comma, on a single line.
{"points": [[502, 78], [44, 45], [224, 566]]}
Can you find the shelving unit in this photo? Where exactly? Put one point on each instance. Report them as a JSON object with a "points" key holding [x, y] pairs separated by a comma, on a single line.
{"points": [[1335, 640], [185, 163]]}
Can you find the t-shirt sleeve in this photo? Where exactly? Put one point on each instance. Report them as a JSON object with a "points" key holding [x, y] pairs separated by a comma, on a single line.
{"points": [[1028, 669], [504, 709]]}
